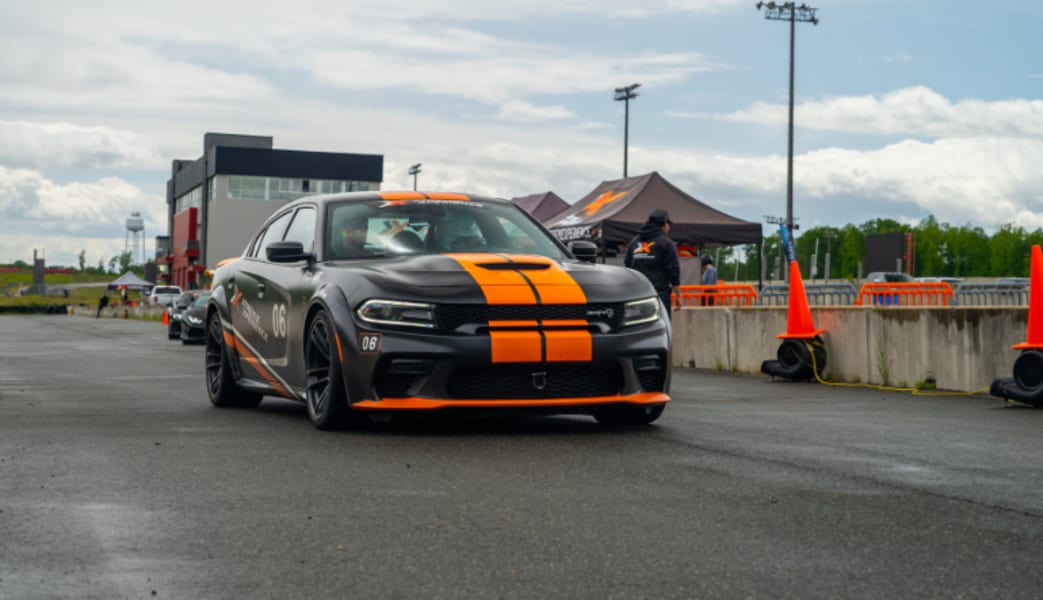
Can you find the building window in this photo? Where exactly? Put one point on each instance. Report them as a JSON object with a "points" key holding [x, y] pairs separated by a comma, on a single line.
{"points": [[247, 187], [193, 198]]}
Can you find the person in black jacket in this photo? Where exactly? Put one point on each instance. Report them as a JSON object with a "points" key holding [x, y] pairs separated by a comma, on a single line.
{"points": [[655, 255]]}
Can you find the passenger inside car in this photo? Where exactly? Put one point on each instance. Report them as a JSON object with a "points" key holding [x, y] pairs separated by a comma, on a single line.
{"points": [[464, 236]]}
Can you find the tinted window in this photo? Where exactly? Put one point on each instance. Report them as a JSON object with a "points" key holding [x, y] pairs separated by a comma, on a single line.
{"points": [[302, 229], [272, 234], [376, 229]]}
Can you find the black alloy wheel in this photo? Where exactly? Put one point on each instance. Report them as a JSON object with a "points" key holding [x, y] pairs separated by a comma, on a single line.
{"points": [[220, 384], [327, 399]]}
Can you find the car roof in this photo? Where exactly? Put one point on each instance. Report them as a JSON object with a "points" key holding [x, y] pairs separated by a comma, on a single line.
{"points": [[393, 196]]}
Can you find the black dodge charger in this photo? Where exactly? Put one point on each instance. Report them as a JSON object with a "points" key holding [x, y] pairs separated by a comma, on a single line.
{"points": [[377, 303]]}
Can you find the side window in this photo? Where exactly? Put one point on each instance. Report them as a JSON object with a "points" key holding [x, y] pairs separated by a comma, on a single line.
{"points": [[273, 234], [302, 229]]}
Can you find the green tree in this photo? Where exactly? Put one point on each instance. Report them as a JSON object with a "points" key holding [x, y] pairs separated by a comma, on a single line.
{"points": [[929, 244], [1008, 250], [850, 244], [125, 259]]}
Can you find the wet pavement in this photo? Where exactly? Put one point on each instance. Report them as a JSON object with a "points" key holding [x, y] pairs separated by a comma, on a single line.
{"points": [[119, 480]]}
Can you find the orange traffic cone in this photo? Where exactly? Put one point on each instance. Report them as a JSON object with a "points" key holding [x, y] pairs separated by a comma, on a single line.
{"points": [[166, 318], [1034, 339], [799, 324]]}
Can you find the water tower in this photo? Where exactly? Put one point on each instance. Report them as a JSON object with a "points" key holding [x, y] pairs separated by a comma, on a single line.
{"points": [[135, 243]]}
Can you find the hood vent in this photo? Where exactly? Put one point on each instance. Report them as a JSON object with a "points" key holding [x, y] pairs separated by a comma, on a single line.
{"points": [[514, 266]]}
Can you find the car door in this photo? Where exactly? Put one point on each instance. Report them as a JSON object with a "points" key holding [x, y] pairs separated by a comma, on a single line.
{"points": [[250, 304], [289, 288], [276, 295]]}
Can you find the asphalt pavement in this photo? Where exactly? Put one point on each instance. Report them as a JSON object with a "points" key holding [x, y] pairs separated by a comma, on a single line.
{"points": [[119, 480]]}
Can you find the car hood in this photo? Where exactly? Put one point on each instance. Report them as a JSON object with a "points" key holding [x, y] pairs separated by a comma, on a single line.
{"points": [[490, 278]]}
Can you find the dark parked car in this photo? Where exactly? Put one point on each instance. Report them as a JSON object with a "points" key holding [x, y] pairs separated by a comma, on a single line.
{"points": [[391, 302], [889, 277], [192, 320], [175, 310]]}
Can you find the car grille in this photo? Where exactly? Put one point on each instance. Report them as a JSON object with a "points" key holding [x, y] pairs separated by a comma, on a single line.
{"points": [[534, 381], [452, 316]]}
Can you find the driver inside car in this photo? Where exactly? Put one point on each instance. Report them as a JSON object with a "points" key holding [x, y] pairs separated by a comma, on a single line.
{"points": [[350, 241]]}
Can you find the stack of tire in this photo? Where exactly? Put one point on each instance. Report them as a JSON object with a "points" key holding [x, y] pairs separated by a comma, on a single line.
{"points": [[797, 359], [1027, 385]]}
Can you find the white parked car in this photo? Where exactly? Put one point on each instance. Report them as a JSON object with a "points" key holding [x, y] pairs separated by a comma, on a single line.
{"points": [[162, 295]]}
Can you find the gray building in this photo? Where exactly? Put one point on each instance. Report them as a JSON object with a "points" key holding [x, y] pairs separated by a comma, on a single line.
{"points": [[216, 202]]}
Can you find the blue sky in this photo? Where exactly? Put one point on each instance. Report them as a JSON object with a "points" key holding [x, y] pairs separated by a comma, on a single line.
{"points": [[904, 109]]}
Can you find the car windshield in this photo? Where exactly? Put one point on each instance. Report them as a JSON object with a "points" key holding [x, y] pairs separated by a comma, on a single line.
{"points": [[397, 228], [166, 290], [201, 300]]}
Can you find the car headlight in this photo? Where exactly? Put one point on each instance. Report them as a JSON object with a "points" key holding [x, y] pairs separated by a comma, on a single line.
{"points": [[394, 312], [640, 311], [193, 320]]}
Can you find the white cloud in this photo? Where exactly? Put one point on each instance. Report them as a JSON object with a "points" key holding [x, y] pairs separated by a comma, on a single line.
{"points": [[500, 77], [915, 111], [67, 145], [37, 212], [986, 181], [523, 111]]}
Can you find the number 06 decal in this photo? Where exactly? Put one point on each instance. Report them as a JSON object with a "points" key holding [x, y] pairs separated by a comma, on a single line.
{"points": [[279, 320], [369, 342]]}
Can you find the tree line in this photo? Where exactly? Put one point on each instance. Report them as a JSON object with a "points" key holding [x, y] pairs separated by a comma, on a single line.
{"points": [[942, 250], [117, 265]]}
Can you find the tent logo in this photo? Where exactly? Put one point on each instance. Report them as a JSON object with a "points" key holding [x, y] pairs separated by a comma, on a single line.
{"points": [[603, 200]]}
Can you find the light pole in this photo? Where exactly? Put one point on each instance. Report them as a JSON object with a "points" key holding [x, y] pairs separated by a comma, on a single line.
{"points": [[789, 11], [625, 93], [414, 171], [829, 246]]}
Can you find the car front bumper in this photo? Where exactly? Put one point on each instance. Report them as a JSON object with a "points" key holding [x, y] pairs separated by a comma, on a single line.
{"points": [[576, 372]]}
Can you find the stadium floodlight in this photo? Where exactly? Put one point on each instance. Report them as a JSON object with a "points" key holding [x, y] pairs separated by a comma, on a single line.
{"points": [[789, 11], [625, 93], [414, 171]]}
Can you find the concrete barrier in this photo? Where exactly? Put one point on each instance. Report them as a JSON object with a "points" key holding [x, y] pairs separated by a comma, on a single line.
{"points": [[961, 348]]}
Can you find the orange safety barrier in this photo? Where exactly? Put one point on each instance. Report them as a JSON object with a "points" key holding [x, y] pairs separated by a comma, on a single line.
{"points": [[722, 294], [925, 293]]}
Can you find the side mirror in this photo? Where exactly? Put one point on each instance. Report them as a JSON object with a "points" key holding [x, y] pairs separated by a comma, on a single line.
{"points": [[285, 252], [584, 250]]}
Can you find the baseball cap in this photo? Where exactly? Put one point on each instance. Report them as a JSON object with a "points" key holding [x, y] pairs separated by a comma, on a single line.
{"points": [[659, 216]]}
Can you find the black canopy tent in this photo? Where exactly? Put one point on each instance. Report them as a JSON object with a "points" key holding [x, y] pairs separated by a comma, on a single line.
{"points": [[612, 213], [132, 283], [541, 206], [615, 210]]}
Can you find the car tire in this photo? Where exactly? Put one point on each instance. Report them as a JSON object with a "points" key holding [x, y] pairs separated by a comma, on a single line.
{"points": [[800, 358], [629, 416], [327, 398], [1028, 370], [220, 383]]}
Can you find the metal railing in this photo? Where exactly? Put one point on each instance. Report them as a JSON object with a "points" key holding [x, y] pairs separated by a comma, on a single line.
{"points": [[819, 294], [992, 294]]}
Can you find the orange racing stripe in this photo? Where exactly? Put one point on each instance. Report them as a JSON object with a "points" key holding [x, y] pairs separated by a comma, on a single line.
{"points": [[499, 286], [569, 346], [402, 196], [444, 196], [644, 398], [253, 361], [553, 286], [516, 346]]}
